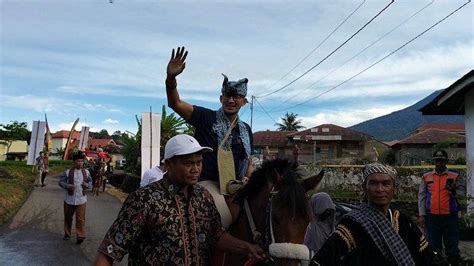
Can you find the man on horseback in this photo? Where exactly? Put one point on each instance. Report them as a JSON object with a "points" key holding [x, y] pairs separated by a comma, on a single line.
{"points": [[216, 129], [173, 221]]}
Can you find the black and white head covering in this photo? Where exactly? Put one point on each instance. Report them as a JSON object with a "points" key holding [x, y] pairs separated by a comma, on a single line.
{"points": [[234, 87], [374, 168]]}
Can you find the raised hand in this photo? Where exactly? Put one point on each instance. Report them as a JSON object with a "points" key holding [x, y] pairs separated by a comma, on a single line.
{"points": [[177, 62]]}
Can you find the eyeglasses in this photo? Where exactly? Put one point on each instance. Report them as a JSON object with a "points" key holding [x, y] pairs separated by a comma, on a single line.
{"points": [[234, 96]]}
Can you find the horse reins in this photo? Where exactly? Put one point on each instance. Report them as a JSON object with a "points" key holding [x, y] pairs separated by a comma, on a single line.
{"points": [[270, 243]]}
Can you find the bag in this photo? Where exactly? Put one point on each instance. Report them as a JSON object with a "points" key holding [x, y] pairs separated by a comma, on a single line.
{"points": [[226, 167]]}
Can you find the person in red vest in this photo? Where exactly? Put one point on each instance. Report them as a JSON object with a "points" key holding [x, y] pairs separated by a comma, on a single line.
{"points": [[438, 207]]}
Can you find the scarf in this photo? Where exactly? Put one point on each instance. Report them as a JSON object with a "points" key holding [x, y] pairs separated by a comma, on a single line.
{"points": [[70, 180], [222, 126], [323, 221], [381, 231]]}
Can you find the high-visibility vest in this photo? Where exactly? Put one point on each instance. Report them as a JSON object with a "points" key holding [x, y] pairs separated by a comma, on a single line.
{"points": [[440, 200]]}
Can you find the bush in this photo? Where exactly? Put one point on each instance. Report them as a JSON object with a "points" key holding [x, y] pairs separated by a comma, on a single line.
{"points": [[460, 161], [130, 183]]}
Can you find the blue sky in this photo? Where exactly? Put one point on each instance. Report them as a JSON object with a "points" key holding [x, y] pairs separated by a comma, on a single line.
{"points": [[106, 62]]}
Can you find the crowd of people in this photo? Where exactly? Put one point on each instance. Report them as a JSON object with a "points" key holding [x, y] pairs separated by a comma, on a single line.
{"points": [[176, 217]]}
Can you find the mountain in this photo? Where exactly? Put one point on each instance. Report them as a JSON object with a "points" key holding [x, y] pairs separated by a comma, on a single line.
{"points": [[399, 124]]}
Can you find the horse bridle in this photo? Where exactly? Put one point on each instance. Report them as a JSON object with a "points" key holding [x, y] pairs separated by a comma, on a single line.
{"points": [[270, 237]]}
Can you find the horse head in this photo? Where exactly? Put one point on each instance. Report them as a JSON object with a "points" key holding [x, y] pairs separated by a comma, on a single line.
{"points": [[277, 197]]}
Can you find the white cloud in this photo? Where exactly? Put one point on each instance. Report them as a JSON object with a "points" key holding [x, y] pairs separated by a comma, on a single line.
{"points": [[110, 121], [347, 118]]}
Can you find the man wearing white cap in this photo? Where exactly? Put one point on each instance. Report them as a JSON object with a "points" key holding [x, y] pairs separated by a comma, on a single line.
{"points": [[173, 221]]}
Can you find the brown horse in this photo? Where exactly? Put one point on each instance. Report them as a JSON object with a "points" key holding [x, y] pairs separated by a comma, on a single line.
{"points": [[279, 208]]}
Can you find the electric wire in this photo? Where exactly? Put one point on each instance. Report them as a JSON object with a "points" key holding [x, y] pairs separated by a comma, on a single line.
{"points": [[326, 57], [378, 61], [361, 51], [319, 45]]}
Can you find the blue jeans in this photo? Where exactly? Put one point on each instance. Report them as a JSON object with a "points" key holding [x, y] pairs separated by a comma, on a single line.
{"points": [[443, 229]]}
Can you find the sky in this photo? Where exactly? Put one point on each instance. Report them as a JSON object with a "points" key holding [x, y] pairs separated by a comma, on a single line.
{"points": [[105, 62]]}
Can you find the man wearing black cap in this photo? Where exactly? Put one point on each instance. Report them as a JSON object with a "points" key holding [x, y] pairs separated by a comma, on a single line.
{"points": [[438, 207], [75, 181], [221, 129]]}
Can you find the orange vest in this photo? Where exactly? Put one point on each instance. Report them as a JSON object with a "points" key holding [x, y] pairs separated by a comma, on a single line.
{"points": [[439, 200]]}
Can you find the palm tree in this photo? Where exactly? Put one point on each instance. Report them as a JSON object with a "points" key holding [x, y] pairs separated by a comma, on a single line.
{"points": [[171, 125], [289, 123]]}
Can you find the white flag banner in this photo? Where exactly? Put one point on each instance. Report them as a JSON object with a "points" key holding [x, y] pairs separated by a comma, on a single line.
{"points": [[151, 134], [36, 141], [84, 139]]}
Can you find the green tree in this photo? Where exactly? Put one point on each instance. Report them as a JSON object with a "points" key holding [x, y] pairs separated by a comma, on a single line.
{"points": [[289, 123], [171, 125], [131, 149], [14, 131]]}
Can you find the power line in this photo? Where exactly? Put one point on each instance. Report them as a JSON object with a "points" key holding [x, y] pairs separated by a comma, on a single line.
{"points": [[335, 50], [266, 111], [363, 50], [380, 60], [312, 51]]}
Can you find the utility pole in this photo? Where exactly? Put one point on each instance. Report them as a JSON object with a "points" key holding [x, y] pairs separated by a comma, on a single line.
{"points": [[251, 110]]}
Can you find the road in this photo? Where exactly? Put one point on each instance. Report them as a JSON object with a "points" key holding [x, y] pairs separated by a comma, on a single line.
{"points": [[34, 235]]}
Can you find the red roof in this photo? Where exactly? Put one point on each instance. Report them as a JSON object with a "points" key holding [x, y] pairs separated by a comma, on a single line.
{"points": [[329, 130], [270, 138], [63, 134], [100, 142], [432, 136], [458, 127]]}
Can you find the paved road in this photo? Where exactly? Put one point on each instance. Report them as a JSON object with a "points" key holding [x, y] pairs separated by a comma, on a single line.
{"points": [[34, 236]]}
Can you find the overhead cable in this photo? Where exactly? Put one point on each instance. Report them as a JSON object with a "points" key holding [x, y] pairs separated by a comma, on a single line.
{"points": [[335, 50], [363, 50], [380, 60], [319, 45]]}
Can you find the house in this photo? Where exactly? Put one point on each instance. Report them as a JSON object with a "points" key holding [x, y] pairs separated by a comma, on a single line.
{"points": [[15, 150], [323, 142], [457, 128], [276, 141], [59, 139], [419, 147], [328, 141]]}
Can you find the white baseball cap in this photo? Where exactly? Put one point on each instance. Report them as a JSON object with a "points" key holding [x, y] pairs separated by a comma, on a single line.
{"points": [[182, 145]]}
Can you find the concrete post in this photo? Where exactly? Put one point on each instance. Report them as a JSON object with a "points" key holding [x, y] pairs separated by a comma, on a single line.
{"points": [[469, 122]]}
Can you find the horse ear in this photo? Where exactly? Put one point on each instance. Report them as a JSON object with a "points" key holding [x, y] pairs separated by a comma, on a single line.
{"points": [[311, 182]]}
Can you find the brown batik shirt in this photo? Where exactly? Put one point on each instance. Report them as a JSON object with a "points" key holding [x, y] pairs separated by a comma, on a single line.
{"points": [[157, 225]]}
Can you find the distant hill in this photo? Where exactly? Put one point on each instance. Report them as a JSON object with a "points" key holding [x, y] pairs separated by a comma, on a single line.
{"points": [[399, 124]]}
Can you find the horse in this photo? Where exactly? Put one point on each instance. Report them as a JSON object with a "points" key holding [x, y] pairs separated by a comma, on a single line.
{"points": [[98, 171], [278, 208]]}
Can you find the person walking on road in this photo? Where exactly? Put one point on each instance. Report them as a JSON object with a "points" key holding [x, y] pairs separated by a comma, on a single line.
{"points": [[45, 169], [173, 221], [438, 207], [39, 162], [75, 181]]}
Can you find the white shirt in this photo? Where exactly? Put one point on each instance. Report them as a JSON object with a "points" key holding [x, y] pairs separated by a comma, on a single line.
{"points": [[78, 198], [151, 175]]}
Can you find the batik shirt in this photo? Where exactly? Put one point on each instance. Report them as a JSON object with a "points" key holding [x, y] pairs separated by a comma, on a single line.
{"points": [[157, 225]]}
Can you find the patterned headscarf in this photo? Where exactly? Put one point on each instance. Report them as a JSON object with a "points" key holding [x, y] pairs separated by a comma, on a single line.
{"points": [[374, 168], [234, 87]]}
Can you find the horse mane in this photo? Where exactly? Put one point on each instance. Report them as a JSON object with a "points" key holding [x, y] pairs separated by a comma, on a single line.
{"points": [[292, 196], [291, 193], [258, 179]]}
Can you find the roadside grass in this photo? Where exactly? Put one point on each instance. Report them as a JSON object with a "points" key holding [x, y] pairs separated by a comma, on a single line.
{"points": [[16, 184]]}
